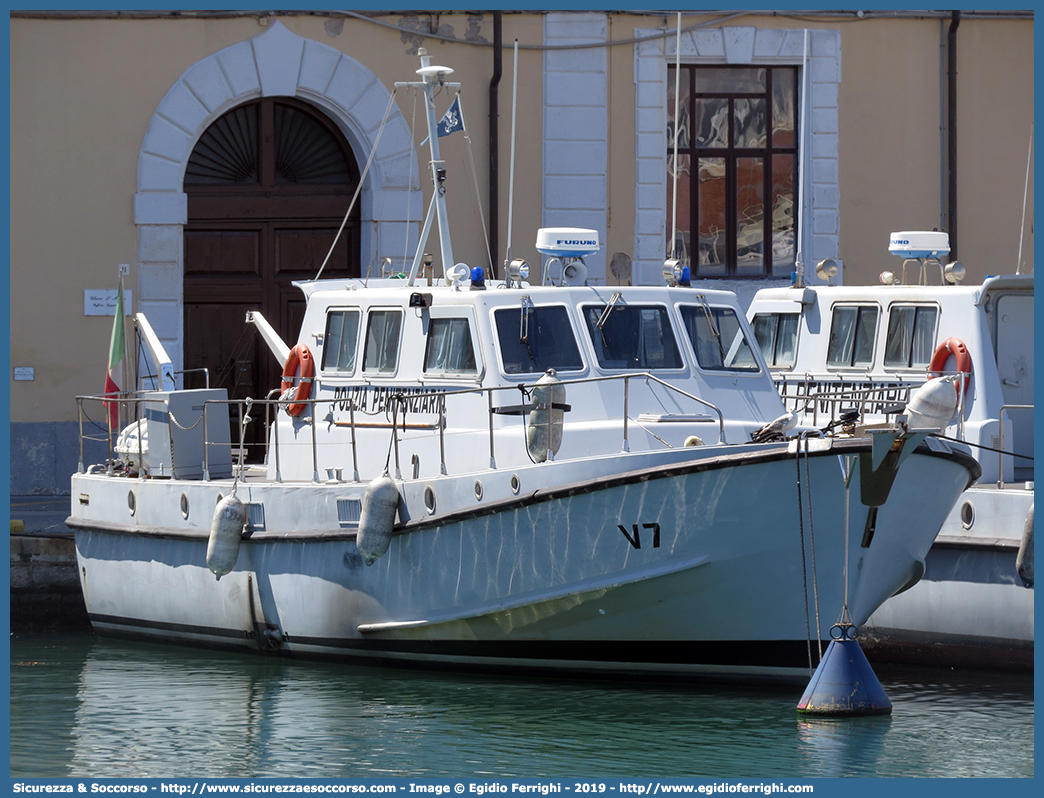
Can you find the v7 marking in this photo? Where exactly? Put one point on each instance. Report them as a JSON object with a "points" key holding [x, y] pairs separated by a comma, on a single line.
{"points": [[636, 540]]}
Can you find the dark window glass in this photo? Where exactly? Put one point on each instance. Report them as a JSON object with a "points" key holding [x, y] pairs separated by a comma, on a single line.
{"points": [[533, 340], [737, 167], [911, 335], [632, 337], [449, 349], [776, 334], [381, 355], [852, 331], [339, 342], [717, 338]]}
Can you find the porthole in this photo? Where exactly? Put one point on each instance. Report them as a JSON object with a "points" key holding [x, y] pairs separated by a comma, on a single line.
{"points": [[132, 503], [516, 486], [429, 499], [967, 515], [184, 506], [478, 490]]}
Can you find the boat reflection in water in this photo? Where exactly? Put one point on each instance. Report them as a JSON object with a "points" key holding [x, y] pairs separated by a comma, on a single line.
{"points": [[103, 708]]}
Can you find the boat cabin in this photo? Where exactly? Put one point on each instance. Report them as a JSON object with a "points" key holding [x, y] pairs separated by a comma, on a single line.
{"points": [[465, 358], [835, 349]]}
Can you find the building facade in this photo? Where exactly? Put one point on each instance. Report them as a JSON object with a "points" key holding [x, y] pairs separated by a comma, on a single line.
{"points": [[214, 153]]}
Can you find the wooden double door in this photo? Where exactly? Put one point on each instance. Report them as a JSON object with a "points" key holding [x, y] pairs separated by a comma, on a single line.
{"points": [[268, 186]]}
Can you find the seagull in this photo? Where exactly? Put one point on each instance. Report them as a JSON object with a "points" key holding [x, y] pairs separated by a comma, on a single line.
{"points": [[774, 430]]}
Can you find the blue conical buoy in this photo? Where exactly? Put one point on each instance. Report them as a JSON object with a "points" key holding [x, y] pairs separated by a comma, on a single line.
{"points": [[844, 684]]}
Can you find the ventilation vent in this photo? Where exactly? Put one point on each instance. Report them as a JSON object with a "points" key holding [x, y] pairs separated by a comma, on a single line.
{"points": [[255, 515], [228, 151], [349, 511], [303, 150]]}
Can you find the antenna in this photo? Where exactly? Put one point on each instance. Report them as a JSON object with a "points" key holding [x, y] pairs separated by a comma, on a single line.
{"points": [[677, 106], [511, 178]]}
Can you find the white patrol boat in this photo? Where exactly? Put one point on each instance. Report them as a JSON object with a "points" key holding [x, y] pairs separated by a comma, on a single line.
{"points": [[856, 353], [495, 475]]}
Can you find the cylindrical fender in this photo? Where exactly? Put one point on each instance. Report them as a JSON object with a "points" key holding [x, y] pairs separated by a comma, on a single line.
{"points": [[379, 505], [932, 406], [1024, 560], [226, 531], [544, 429]]}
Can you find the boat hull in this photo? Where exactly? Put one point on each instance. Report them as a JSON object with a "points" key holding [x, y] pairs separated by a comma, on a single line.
{"points": [[971, 608], [697, 567]]}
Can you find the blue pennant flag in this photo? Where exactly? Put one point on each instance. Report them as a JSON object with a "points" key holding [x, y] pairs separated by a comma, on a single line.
{"points": [[452, 120]]}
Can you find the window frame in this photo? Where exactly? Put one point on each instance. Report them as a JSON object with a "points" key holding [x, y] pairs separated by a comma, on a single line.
{"points": [[748, 333], [778, 317], [370, 314], [330, 311], [860, 307], [640, 305], [734, 159], [584, 366], [917, 307], [451, 312]]}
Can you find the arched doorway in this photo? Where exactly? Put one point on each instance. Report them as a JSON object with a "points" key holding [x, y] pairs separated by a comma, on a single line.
{"points": [[268, 184]]}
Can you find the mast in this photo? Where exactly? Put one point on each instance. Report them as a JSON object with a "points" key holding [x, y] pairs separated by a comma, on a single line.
{"points": [[432, 79]]}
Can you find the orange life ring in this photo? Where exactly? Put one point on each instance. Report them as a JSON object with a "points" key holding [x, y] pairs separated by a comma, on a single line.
{"points": [[955, 347], [300, 359]]}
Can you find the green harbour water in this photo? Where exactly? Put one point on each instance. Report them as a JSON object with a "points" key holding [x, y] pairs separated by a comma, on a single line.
{"points": [[83, 706]]}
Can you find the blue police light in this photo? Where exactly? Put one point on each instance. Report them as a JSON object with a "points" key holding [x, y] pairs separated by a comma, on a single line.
{"points": [[685, 279], [478, 279]]}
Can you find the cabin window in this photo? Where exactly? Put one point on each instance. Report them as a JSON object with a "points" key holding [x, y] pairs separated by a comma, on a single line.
{"points": [[632, 337], [717, 338], [852, 332], [776, 334], [535, 339], [911, 336], [381, 354], [449, 349], [339, 341]]}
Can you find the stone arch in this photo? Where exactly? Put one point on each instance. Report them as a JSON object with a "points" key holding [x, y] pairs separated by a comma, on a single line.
{"points": [[276, 62]]}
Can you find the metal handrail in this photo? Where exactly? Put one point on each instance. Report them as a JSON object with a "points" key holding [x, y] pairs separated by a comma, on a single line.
{"points": [[862, 396], [1001, 453], [272, 446]]}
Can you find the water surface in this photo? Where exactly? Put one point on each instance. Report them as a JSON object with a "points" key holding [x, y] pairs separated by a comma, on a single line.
{"points": [[90, 707]]}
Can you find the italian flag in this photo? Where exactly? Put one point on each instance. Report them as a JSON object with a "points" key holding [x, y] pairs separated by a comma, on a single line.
{"points": [[117, 351]]}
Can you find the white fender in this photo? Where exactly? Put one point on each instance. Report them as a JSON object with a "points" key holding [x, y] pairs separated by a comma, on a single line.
{"points": [[1024, 560], [933, 405], [544, 430], [226, 531], [379, 505]]}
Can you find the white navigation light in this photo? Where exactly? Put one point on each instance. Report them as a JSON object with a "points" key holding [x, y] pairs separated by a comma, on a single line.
{"points": [[915, 244], [567, 242]]}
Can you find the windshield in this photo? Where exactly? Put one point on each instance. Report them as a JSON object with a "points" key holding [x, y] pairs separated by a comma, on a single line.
{"points": [[717, 338], [632, 337], [535, 339]]}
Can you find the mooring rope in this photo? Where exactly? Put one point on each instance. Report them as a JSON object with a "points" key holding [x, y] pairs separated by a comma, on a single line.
{"points": [[812, 546], [804, 568]]}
